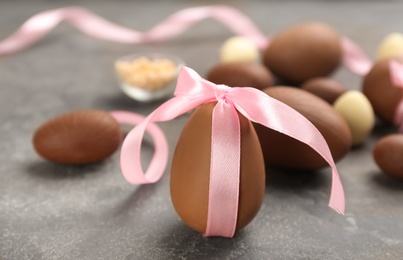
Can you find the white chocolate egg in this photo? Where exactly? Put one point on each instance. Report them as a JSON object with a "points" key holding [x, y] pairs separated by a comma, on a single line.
{"points": [[239, 48], [391, 46], [356, 109]]}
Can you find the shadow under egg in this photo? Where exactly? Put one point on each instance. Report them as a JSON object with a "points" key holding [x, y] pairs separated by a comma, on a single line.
{"points": [[386, 181], [53, 171], [297, 180]]}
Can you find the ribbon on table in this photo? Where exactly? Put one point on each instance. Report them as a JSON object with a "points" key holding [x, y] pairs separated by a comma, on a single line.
{"points": [[192, 91], [396, 76], [36, 27]]}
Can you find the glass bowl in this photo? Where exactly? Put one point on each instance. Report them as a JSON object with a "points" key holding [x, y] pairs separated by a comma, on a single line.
{"points": [[148, 76]]}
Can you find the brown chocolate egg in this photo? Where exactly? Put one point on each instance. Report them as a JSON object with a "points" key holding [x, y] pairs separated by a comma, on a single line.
{"points": [[78, 138], [388, 154], [284, 151], [241, 74], [190, 172], [326, 88], [305, 51], [378, 88]]}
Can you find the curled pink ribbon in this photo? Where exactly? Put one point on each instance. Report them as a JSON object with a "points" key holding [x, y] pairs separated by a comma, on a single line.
{"points": [[192, 91], [87, 22], [396, 76], [158, 137], [36, 27]]}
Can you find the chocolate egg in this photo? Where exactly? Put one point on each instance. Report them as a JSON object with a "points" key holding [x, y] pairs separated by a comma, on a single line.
{"points": [[78, 138], [388, 154], [190, 172], [303, 52], [284, 151], [379, 90], [326, 88], [241, 74]]}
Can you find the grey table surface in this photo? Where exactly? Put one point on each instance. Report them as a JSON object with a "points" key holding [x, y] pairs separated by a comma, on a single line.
{"points": [[49, 211]]}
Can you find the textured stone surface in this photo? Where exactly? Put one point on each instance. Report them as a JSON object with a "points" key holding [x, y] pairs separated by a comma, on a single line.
{"points": [[56, 212]]}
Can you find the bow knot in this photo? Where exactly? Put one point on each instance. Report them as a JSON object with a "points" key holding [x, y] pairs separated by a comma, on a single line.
{"points": [[221, 92]]}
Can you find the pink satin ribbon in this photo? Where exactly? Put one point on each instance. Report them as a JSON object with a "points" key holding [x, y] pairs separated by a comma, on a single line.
{"points": [[160, 142], [396, 76], [354, 57], [192, 91], [87, 22]]}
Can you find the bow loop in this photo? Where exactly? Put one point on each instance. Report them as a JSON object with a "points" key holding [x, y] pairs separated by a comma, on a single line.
{"points": [[191, 85]]}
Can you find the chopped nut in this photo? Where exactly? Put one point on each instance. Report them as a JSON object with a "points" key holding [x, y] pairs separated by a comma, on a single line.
{"points": [[145, 73]]}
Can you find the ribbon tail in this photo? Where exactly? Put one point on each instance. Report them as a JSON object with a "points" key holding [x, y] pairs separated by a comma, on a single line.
{"points": [[337, 199], [130, 160], [224, 171], [354, 57], [278, 116]]}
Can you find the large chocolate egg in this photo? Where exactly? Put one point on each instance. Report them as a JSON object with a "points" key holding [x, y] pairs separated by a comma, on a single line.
{"points": [[78, 138], [388, 154], [281, 150], [241, 74], [378, 88], [326, 88], [303, 52], [190, 172]]}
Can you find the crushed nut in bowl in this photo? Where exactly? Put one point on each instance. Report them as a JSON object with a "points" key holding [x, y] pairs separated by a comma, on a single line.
{"points": [[148, 77]]}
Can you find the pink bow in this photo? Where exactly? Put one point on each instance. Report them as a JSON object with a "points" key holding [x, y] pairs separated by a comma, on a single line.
{"points": [[192, 91], [396, 76]]}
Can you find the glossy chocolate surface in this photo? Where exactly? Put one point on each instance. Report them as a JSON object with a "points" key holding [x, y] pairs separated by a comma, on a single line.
{"points": [[78, 138], [241, 74], [304, 51]]}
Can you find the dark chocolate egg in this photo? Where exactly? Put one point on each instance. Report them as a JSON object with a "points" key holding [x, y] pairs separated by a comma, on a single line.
{"points": [[305, 51], [388, 154], [378, 88], [326, 88], [190, 172], [284, 151], [78, 138], [241, 74]]}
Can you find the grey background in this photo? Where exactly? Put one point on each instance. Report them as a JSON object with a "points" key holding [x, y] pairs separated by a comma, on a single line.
{"points": [[49, 211]]}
